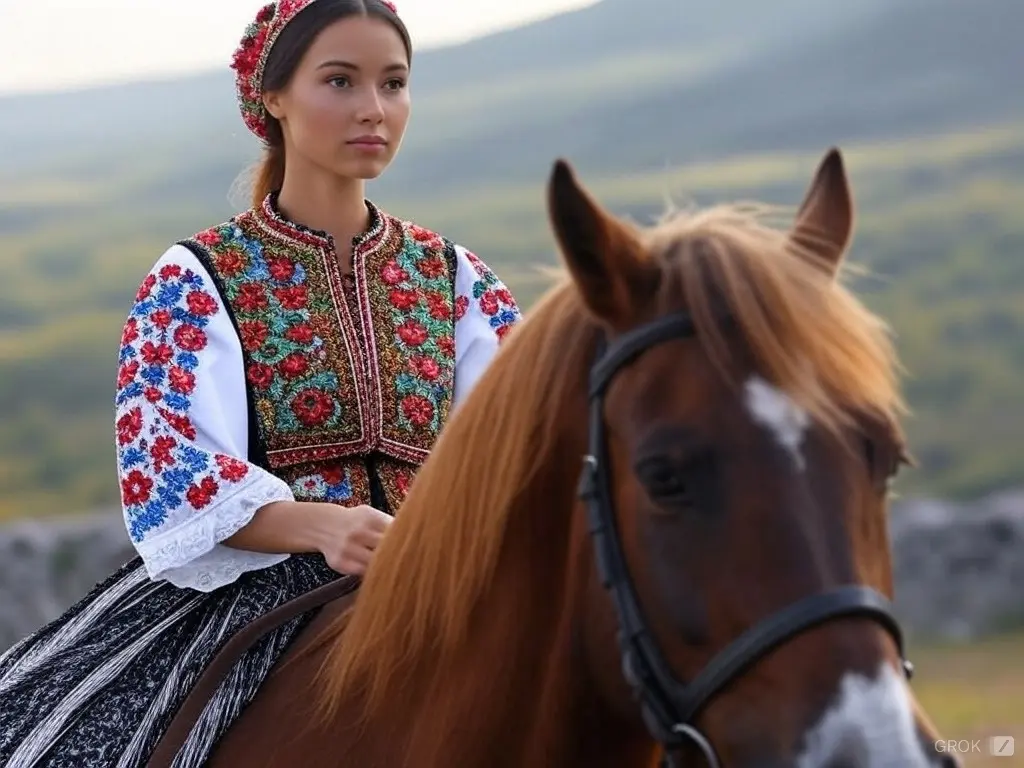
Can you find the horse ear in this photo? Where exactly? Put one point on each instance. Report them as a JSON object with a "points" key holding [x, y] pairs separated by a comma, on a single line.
{"points": [[824, 223], [602, 253]]}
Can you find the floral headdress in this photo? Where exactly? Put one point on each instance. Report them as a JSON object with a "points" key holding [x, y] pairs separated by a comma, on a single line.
{"points": [[250, 58]]}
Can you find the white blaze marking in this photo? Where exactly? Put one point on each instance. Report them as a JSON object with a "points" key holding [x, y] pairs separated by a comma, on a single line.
{"points": [[773, 409], [871, 725]]}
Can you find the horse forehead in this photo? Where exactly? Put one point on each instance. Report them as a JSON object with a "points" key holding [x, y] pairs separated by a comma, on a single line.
{"points": [[774, 410]]}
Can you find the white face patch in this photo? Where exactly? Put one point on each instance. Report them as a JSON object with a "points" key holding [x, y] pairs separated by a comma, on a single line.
{"points": [[871, 725], [773, 409]]}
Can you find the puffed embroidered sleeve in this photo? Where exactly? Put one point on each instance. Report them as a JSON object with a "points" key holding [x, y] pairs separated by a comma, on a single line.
{"points": [[182, 431], [485, 311]]}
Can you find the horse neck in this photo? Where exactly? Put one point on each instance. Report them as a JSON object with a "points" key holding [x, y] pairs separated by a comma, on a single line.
{"points": [[518, 692]]}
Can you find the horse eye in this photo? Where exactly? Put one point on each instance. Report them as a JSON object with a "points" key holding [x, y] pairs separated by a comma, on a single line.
{"points": [[662, 479]]}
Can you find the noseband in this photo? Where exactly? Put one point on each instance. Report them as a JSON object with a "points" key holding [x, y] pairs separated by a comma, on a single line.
{"points": [[670, 707]]}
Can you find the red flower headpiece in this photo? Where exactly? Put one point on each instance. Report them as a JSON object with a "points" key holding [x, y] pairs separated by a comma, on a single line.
{"points": [[250, 58]]}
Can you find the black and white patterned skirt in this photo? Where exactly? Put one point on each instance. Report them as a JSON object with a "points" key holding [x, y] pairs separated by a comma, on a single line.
{"points": [[97, 687]]}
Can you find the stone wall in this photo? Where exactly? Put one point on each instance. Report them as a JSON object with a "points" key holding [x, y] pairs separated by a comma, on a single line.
{"points": [[959, 568]]}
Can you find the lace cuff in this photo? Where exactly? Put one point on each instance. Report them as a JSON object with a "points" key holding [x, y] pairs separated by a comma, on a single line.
{"points": [[191, 555]]}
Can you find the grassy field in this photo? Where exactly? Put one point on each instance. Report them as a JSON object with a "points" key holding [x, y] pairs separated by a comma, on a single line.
{"points": [[975, 691]]}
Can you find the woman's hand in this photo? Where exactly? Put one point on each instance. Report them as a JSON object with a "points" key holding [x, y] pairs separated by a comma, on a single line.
{"points": [[349, 536], [346, 536]]}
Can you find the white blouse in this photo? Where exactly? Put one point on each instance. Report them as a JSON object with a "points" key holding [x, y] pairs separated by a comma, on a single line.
{"points": [[182, 418]]}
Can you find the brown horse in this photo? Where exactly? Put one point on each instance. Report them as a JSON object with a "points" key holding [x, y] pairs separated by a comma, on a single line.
{"points": [[734, 410]]}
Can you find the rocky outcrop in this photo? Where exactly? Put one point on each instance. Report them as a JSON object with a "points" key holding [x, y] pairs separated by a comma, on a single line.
{"points": [[47, 565], [959, 569]]}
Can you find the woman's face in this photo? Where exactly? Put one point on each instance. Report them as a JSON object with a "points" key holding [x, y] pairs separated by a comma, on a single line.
{"points": [[347, 105]]}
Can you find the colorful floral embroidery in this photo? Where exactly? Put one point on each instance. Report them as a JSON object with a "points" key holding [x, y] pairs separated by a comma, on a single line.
{"points": [[304, 386], [346, 481], [160, 469], [250, 59], [331, 483], [493, 298], [411, 290], [336, 372]]}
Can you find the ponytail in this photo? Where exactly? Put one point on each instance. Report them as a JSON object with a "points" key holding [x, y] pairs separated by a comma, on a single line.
{"points": [[269, 175]]}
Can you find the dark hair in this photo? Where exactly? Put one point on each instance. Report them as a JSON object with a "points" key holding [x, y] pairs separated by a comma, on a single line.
{"points": [[284, 58]]}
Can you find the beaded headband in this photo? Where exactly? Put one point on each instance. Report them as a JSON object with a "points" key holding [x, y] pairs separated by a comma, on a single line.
{"points": [[250, 58]]}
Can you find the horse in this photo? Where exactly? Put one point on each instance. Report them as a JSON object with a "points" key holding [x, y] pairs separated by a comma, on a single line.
{"points": [[655, 532]]}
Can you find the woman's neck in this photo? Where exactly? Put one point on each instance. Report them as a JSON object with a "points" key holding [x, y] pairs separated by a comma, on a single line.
{"points": [[332, 205]]}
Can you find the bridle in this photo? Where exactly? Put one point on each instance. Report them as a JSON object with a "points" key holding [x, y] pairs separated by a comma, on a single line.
{"points": [[670, 707]]}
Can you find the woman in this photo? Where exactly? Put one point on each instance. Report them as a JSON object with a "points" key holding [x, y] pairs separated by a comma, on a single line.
{"points": [[281, 377]]}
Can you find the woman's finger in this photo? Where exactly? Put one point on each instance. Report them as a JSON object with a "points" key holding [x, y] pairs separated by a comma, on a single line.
{"points": [[367, 539]]}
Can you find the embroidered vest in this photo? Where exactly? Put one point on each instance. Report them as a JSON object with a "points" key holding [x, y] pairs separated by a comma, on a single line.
{"points": [[349, 383]]}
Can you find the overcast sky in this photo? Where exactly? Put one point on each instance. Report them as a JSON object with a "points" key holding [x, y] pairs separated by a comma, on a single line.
{"points": [[52, 44]]}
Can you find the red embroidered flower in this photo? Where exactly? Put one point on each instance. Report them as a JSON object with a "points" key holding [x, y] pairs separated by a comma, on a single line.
{"points": [[446, 345], [146, 287], [161, 318], [334, 475], [301, 333], [392, 274], [431, 268], [412, 333], [230, 263], [403, 299], [266, 14], [253, 334], [129, 426], [427, 367], [461, 305], [231, 469], [180, 423], [202, 494], [130, 332], [252, 297], [189, 337], [261, 375], [425, 237], [312, 407], [293, 366], [152, 394], [489, 303], [135, 488], [181, 380], [201, 303], [292, 297], [418, 410], [439, 306], [127, 372], [403, 481], [209, 237], [281, 269], [156, 354], [503, 330], [169, 272], [161, 452]]}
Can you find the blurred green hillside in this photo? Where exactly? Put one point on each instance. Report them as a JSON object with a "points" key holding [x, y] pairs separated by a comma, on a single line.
{"points": [[652, 100]]}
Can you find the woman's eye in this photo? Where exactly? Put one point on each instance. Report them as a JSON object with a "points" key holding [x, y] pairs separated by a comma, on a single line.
{"points": [[339, 82], [395, 85]]}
